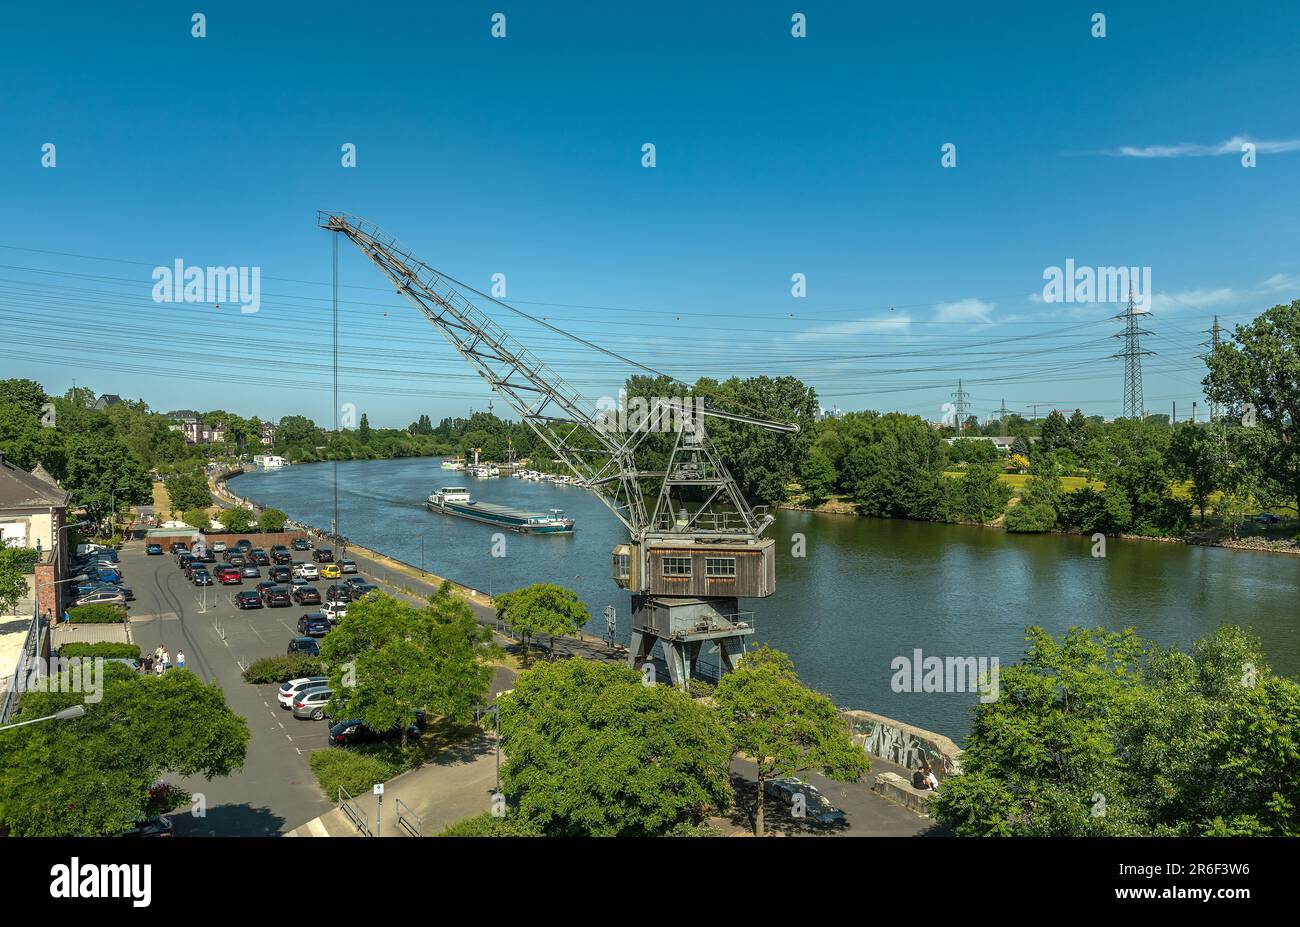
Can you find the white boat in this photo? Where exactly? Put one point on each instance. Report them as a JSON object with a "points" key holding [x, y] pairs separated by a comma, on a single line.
{"points": [[456, 464]]}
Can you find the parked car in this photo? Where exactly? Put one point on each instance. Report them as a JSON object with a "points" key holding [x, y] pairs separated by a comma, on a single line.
{"points": [[247, 598], [207, 556], [249, 571], [277, 595], [237, 560], [343, 733], [229, 576], [361, 590], [352, 582], [348, 566], [303, 645], [259, 556], [331, 571], [335, 612], [102, 597], [153, 549], [156, 826], [201, 578], [104, 576], [311, 704], [281, 557], [294, 687], [301, 544], [275, 547], [817, 809], [323, 555], [178, 546], [306, 571], [339, 593], [85, 589], [306, 595], [313, 624], [219, 547], [1267, 518], [244, 544], [280, 574]]}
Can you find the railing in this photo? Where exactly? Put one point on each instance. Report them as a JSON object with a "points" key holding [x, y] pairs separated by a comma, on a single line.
{"points": [[408, 820], [31, 646], [358, 817]]}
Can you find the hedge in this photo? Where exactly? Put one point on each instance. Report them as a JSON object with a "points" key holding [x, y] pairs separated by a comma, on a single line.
{"points": [[356, 772], [106, 649], [98, 614], [489, 825], [282, 669]]}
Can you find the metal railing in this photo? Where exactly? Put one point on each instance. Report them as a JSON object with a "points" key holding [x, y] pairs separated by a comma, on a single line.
{"points": [[359, 818], [408, 820], [30, 652]]}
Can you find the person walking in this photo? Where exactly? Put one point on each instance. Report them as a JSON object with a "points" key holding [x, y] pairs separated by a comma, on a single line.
{"points": [[166, 660], [180, 659]]}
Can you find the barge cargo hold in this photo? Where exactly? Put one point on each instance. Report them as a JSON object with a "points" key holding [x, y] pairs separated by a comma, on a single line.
{"points": [[453, 500]]}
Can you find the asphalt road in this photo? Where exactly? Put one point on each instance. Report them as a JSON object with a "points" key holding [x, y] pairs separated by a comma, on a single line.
{"points": [[275, 791]]}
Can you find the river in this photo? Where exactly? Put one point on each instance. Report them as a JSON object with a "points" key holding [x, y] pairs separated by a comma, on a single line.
{"points": [[865, 592]]}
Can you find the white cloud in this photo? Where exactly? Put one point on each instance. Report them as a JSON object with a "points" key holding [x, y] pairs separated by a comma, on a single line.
{"points": [[1195, 150], [963, 310], [895, 325]]}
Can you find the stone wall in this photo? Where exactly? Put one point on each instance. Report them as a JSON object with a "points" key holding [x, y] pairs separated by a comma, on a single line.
{"points": [[903, 744]]}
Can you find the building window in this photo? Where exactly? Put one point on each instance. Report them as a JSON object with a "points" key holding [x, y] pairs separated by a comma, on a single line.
{"points": [[720, 567], [677, 566]]}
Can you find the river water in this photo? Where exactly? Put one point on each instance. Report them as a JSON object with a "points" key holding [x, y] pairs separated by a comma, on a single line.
{"points": [[865, 592]]}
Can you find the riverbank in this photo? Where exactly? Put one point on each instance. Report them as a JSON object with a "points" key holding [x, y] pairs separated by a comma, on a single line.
{"points": [[1254, 543]]}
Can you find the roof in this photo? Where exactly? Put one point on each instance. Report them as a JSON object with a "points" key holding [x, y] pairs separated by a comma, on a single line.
{"points": [[106, 400], [22, 490]]}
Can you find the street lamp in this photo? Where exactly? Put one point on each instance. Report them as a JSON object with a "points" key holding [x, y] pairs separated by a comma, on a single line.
{"points": [[67, 714], [495, 710]]}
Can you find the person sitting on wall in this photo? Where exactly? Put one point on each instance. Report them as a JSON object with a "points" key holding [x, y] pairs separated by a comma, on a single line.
{"points": [[919, 778], [932, 781]]}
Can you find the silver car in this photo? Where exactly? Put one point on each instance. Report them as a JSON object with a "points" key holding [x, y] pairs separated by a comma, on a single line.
{"points": [[311, 703], [295, 687], [102, 597]]}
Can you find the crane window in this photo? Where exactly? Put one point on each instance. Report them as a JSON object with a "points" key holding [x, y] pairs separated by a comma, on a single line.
{"points": [[677, 566], [720, 567]]}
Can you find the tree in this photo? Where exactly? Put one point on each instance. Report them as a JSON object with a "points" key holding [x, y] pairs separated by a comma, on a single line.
{"points": [[982, 495], [389, 660], [272, 520], [363, 431], [542, 608], [1258, 375], [28, 396], [104, 476], [92, 775], [593, 751], [783, 726], [236, 519], [1037, 510], [817, 477], [188, 489], [197, 518], [1055, 433], [1197, 455], [13, 577]]}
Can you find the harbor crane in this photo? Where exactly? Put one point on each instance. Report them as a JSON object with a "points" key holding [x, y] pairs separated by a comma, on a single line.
{"points": [[692, 555]]}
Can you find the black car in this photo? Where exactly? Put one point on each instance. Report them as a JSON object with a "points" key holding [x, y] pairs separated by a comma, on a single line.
{"points": [[306, 595], [301, 544], [178, 546], [275, 547], [313, 624], [258, 556], [344, 733], [277, 595], [361, 590], [207, 556], [237, 560], [323, 555], [306, 646], [282, 557], [184, 560], [280, 574], [244, 545], [247, 598], [339, 593], [156, 826], [201, 578]]}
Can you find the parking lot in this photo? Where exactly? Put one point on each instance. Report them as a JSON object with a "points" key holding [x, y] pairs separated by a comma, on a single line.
{"points": [[276, 791]]}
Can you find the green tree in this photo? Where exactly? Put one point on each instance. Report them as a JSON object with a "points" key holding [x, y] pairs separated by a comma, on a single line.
{"points": [[1199, 456], [542, 608], [1257, 374], [592, 751], [783, 726], [1039, 502], [817, 476], [982, 495], [92, 775], [13, 577], [188, 489], [104, 476], [390, 660], [197, 518], [363, 431], [1055, 433], [236, 519], [272, 520]]}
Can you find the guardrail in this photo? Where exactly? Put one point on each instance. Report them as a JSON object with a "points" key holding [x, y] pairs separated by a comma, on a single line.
{"points": [[408, 820], [358, 817], [30, 652]]}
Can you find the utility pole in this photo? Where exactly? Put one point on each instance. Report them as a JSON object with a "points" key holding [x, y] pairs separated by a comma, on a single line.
{"points": [[1212, 344], [1002, 413], [1132, 355], [960, 406]]}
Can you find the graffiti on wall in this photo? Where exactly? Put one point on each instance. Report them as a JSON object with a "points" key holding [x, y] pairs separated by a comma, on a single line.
{"points": [[904, 747]]}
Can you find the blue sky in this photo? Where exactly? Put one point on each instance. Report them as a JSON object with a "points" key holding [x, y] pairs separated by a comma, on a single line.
{"points": [[522, 156]]}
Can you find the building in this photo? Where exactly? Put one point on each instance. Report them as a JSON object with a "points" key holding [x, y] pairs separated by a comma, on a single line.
{"points": [[33, 515], [268, 434], [190, 424], [106, 400]]}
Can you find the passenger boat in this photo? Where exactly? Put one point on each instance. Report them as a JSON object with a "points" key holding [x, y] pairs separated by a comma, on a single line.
{"points": [[454, 500], [456, 464]]}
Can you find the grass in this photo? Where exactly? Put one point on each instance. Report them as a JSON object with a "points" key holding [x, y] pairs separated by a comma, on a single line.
{"points": [[1017, 480], [358, 767]]}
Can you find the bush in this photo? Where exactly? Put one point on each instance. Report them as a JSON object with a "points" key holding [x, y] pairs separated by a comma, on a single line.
{"points": [[105, 649], [1037, 517], [97, 614], [272, 520], [282, 669], [488, 825], [355, 771]]}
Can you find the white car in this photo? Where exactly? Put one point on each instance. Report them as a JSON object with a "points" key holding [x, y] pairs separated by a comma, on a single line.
{"points": [[294, 687], [218, 547], [336, 612], [306, 571]]}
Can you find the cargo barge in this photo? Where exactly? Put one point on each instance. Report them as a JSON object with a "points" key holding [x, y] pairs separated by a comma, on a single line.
{"points": [[453, 500]]}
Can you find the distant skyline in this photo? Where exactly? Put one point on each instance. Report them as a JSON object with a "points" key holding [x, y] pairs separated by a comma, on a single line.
{"points": [[522, 156]]}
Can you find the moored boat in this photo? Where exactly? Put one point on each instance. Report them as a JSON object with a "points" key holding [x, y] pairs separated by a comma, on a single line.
{"points": [[455, 500]]}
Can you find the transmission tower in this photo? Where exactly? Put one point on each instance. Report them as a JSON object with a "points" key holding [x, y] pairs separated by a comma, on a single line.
{"points": [[1132, 354], [960, 406], [1002, 413], [1212, 344]]}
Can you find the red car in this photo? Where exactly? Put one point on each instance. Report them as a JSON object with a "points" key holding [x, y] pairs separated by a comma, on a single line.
{"points": [[229, 577]]}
